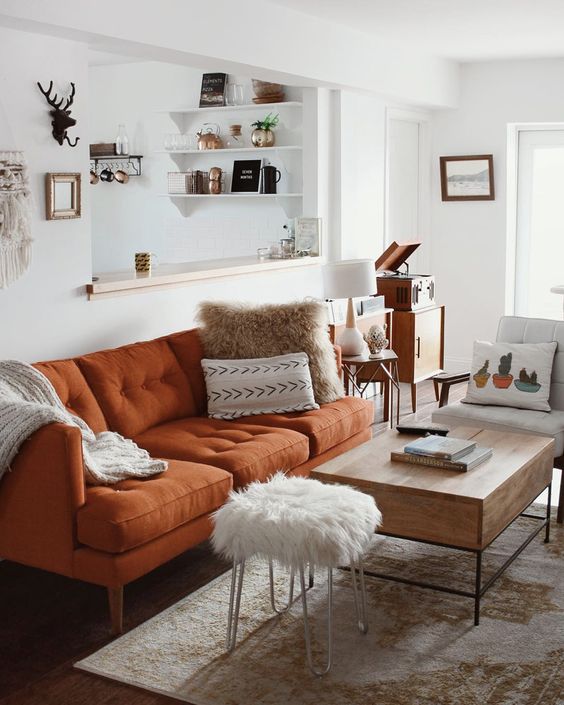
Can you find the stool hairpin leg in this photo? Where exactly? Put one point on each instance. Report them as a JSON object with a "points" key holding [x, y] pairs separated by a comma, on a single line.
{"points": [[237, 574], [359, 603], [307, 634], [272, 597]]}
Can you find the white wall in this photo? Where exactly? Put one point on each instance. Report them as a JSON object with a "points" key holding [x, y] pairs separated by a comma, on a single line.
{"points": [[469, 239], [361, 175], [274, 41], [45, 314]]}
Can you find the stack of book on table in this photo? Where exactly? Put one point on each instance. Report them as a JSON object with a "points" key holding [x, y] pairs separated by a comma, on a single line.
{"points": [[443, 452]]}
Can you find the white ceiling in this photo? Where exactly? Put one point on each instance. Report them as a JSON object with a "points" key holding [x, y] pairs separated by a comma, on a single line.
{"points": [[464, 30]]}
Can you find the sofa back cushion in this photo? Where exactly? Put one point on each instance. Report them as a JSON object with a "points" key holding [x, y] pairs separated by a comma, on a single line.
{"points": [[74, 392], [518, 329], [187, 347], [138, 386]]}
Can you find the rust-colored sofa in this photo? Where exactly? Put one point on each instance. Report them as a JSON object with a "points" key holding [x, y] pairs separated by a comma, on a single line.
{"points": [[154, 393]]}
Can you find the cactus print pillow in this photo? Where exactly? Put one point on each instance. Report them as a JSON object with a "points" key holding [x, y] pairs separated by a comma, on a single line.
{"points": [[511, 374]]}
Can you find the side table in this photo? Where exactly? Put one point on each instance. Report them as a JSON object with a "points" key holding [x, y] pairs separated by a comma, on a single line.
{"points": [[361, 370]]}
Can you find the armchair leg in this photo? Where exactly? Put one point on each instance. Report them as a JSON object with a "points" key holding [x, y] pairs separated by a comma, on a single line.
{"points": [[560, 514], [115, 600]]}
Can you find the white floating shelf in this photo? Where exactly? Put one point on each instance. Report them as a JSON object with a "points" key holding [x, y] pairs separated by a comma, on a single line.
{"points": [[233, 108], [228, 150], [230, 195]]}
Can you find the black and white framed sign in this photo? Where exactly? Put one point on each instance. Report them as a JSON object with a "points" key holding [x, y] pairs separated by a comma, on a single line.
{"points": [[246, 176], [212, 93]]}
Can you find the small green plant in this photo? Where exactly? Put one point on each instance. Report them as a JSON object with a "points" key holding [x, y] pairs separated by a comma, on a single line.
{"points": [[268, 123]]}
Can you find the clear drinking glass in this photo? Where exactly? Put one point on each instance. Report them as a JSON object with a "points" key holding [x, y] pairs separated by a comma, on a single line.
{"points": [[234, 94], [168, 142]]}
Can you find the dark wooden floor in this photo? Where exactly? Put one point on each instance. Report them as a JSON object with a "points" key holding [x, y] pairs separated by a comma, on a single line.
{"points": [[48, 622]]}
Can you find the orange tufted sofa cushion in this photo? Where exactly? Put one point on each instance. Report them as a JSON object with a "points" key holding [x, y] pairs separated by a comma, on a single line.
{"points": [[187, 347], [248, 452], [138, 386], [74, 392], [326, 427], [133, 512]]}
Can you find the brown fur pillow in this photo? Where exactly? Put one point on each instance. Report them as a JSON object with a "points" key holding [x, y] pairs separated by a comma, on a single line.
{"points": [[234, 331]]}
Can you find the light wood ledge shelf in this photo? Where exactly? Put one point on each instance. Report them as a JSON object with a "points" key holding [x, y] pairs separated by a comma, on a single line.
{"points": [[170, 276]]}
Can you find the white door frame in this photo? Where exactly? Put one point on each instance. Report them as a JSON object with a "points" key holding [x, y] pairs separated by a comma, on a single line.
{"points": [[423, 119], [513, 132]]}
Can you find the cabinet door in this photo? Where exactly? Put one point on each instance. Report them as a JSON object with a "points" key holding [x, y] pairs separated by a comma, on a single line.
{"points": [[428, 342]]}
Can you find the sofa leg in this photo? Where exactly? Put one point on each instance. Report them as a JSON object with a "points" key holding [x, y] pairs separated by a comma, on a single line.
{"points": [[115, 600]]}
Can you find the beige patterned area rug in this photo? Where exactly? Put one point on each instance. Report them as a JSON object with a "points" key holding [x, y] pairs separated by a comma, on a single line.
{"points": [[421, 648]]}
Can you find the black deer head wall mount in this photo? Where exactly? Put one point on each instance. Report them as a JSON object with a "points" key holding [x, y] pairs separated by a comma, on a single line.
{"points": [[62, 119]]}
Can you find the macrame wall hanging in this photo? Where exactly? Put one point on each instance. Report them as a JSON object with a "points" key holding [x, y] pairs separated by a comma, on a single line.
{"points": [[15, 218]]}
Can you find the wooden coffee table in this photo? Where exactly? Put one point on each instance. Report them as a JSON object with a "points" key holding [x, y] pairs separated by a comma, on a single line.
{"points": [[464, 511]]}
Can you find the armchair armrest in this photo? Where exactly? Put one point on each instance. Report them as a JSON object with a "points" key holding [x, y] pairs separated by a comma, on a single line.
{"points": [[39, 498]]}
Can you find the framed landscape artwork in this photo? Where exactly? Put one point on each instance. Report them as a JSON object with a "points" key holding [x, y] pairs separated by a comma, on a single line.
{"points": [[468, 178]]}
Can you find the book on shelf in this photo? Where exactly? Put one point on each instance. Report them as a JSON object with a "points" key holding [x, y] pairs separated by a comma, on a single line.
{"points": [[212, 93], [468, 462], [440, 447]]}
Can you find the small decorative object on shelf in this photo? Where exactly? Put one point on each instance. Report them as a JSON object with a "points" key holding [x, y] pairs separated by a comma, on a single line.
{"points": [[376, 340], [270, 177], [235, 139], [208, 137], [266, 92], [263, 135], [62, 119], [215, 180], [144, 262], [246, 176], [234, 94], [122, 141], [308, 236], [212, 94], [286, 247], [102, 149]]}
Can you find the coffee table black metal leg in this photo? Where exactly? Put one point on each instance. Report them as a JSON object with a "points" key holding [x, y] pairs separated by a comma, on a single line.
{"points": [[478, 588], [547, 531]]}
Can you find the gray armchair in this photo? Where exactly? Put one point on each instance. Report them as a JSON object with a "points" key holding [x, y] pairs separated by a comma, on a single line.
{"points": [[515, 329]]}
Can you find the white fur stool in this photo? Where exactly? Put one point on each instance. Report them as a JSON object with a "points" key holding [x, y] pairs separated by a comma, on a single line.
{"points": [[296, 521]]}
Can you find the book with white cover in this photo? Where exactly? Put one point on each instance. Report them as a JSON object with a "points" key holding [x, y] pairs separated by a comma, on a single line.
{"points": [[441, 447]]}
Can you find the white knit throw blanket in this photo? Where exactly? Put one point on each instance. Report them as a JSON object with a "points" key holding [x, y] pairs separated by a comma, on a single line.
{"points": [[28, 401]]}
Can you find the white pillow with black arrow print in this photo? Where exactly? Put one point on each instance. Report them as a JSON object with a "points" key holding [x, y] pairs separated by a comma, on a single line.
{"points": [[267, 385]]}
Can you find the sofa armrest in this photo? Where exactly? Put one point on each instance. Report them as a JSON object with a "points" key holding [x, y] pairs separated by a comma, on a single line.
{"points": [[39, 498]]}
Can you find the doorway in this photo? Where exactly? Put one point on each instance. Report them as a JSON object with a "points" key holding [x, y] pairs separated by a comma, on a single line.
{"points": [[539, 246]]}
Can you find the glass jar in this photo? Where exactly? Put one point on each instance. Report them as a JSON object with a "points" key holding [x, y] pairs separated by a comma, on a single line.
{"points": [[122, 140], [286, 247], [235, 139]]}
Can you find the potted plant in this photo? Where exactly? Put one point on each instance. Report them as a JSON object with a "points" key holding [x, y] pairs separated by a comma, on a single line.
{"points": [[482, 375], [503, 379], [262, 135]]}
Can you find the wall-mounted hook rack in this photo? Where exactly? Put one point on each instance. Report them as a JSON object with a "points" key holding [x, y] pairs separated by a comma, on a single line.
{"points": [[130, 163]]}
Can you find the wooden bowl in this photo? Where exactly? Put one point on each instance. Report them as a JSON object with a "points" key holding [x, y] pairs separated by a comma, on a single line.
{"points": [[264, 89]]}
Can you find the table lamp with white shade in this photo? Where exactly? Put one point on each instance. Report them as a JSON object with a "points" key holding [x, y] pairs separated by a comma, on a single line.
{"points": [[347, 280]]}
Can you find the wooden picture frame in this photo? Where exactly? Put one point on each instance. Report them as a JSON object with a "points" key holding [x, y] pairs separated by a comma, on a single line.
{"points": [[63, 198], [467, 178]]}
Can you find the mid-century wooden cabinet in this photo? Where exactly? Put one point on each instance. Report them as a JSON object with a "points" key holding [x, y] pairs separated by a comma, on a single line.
{"points": [[418, 341]]}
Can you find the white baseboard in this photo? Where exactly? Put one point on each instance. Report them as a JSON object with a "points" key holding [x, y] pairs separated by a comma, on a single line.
{"points": [[457, 364]]}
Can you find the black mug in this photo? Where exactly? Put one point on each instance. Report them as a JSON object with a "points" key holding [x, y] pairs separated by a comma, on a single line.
{"points": [[270, 177], [107, 175]]}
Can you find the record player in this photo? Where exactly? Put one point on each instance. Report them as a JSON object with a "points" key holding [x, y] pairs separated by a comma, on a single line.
{"points": [[403, 291]]}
